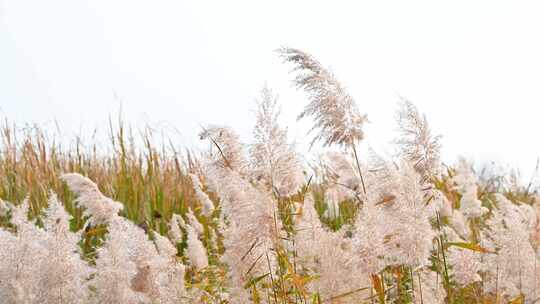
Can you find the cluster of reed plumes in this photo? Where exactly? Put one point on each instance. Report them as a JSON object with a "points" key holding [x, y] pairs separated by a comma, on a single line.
{"points": [[257, 224]]}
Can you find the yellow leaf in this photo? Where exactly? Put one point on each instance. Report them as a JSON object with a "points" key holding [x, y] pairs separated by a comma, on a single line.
{"points": [[519, 300], [470, 246], [377, 284]]}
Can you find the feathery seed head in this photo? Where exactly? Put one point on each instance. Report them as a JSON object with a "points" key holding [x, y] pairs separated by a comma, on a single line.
{"points": [[99, 208], [334, 111]]}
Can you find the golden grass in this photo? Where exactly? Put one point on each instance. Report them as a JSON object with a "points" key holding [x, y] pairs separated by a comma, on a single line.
{"points": [[151, 180]]}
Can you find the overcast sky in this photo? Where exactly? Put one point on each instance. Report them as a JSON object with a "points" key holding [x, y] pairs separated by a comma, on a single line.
{"points": [[473, 67]]}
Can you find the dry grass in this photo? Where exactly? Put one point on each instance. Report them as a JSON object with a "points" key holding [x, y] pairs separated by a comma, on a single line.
{"points": [[150, 179], [152, 182]]}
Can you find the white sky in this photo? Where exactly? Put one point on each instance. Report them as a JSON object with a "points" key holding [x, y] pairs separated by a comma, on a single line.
{"points": [[472, 66]]}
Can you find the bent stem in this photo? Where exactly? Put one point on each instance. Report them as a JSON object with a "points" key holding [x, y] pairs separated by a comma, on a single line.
{"points": [[359, 169]]}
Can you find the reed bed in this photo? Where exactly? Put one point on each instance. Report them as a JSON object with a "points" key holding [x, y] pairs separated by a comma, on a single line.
{"points": [[136, 221]]}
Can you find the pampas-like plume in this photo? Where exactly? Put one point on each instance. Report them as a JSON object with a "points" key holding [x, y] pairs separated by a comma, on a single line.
{"points": [[274, 162], [116, 269], [99, 208], [195, 249], [175, 233], [248, 224], [416, 142], [21, 259], [42, 265], [412, 237], [465, 181], [230, 151], [196, 252], [369, 239], [129, 267], [329, 257], [194, 222], [207, 206], [465, 265], [65, 274], [398, 229], [512, 269], [428, 288], [170, 273], [336, 115], [341, 176], [249, 228]]}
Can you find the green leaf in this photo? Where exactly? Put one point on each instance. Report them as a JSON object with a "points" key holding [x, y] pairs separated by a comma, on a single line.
{"points": [[254, 281]]}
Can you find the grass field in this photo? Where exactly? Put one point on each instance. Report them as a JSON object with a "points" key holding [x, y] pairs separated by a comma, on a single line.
{"points": [[145, 223]]}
